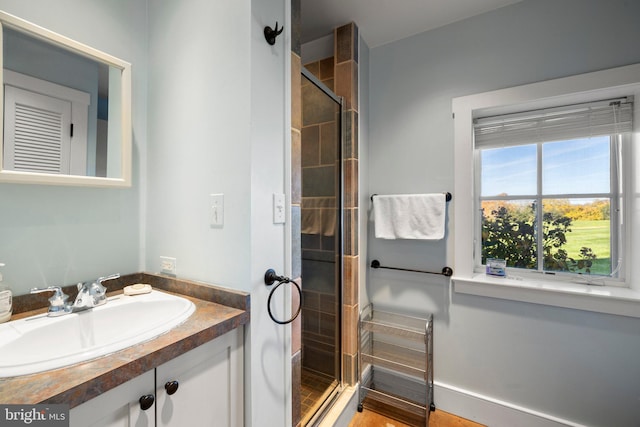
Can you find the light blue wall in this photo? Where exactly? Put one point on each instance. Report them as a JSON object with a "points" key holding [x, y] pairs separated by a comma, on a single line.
{"points": [[61, 235], [210, 115], [218, 123], [199, 122], [576, 365]]}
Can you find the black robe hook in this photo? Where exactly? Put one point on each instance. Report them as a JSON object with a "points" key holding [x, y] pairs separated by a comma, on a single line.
{"points": [[270, 34]]}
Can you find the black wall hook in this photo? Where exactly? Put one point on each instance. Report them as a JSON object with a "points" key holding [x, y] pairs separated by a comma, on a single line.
{"points": [[270, 34]]}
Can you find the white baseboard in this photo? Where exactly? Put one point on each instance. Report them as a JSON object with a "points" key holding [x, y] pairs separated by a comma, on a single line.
{"points": [[492, 412]]}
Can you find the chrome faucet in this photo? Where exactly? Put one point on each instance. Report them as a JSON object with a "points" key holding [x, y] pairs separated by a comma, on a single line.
{"points": [[90, 294]]}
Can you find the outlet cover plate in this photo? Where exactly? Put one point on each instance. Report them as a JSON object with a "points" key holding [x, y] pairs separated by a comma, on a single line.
{"points": [[168, 265]]}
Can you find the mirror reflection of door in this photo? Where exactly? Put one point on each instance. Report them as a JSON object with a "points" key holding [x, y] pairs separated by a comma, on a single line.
{"points": [[49, 71], [44, 127]]}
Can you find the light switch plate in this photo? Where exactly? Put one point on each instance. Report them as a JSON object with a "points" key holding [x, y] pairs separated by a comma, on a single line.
{"points": [[279, 213], [216, 210]]}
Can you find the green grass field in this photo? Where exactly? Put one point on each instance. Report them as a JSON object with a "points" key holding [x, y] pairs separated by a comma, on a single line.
{"points": [[594, 235]]}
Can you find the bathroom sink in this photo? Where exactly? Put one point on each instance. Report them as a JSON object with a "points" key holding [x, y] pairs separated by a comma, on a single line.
{"points": [[40, 343]]}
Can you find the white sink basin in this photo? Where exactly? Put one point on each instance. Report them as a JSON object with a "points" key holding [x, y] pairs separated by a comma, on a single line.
{"points": [[40, 343]]}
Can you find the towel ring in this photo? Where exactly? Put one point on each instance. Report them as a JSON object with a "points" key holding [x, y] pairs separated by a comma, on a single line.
{"points": [[270, 277]]}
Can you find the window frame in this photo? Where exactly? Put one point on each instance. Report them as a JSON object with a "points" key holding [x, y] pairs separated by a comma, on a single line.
{"points": [[545, 289]]}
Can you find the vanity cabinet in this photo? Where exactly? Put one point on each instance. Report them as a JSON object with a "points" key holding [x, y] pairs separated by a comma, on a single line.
{"points": [[203, 386], [119, 406]]}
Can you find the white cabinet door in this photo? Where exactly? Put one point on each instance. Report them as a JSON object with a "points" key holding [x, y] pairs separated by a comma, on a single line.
{"points": [[209, 392], [209, 385], [118, 407]]}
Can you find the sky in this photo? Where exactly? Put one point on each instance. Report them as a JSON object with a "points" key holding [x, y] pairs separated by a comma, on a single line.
{"points": [[578, 166]]}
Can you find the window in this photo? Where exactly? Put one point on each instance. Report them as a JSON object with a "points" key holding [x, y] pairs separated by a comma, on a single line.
{"points": [[548, 188], [484, 174]]}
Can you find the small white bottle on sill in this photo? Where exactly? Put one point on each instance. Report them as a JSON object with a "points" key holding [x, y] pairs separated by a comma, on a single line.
{"points": [[6, 302]]}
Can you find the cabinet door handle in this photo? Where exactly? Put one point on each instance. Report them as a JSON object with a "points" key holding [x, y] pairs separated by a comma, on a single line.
{"points": [[171, 387], [146, 401]]}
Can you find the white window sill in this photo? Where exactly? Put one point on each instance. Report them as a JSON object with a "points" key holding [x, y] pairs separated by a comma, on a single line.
{"points": [[601, 299]]}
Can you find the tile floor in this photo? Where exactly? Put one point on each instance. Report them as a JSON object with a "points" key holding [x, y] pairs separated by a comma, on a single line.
{"points": [[315, 388]]}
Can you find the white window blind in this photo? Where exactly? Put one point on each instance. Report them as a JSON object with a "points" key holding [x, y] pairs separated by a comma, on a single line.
{"points": [[553, 124]]}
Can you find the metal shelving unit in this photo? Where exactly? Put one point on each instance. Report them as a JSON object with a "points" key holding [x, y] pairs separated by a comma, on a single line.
{"points": [[396, 363]]}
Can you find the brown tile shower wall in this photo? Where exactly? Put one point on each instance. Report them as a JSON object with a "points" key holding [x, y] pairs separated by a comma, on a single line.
{"points": [[346, 85], [340, 75], [320, 185]]}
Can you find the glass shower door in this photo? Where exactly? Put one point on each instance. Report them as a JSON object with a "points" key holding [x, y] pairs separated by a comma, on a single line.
{"points": [[321, 245]]}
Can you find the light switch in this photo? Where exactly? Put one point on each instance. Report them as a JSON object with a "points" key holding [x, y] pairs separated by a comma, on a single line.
{"points": [[216, 210], [279, 213]]}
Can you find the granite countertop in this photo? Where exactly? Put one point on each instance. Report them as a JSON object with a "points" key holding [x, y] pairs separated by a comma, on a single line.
{"points": [[218, 310]]}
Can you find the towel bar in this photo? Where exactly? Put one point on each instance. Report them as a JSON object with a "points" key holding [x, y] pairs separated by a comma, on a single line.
{"points": [[446, 271], [448, 196]]}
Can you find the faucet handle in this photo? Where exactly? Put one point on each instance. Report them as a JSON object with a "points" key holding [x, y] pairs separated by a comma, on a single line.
{"points": [[100, 289], [58, 295], [58, 301], [104, 279]]}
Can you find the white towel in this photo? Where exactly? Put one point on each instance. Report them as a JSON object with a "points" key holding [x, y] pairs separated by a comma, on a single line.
{"points": [[410, 216]]}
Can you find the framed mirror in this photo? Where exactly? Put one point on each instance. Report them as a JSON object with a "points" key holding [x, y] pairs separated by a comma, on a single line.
{"points": [[66, 110]]}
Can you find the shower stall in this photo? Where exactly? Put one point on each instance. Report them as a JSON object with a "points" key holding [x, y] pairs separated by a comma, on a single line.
{"points": [[321, 245]]}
